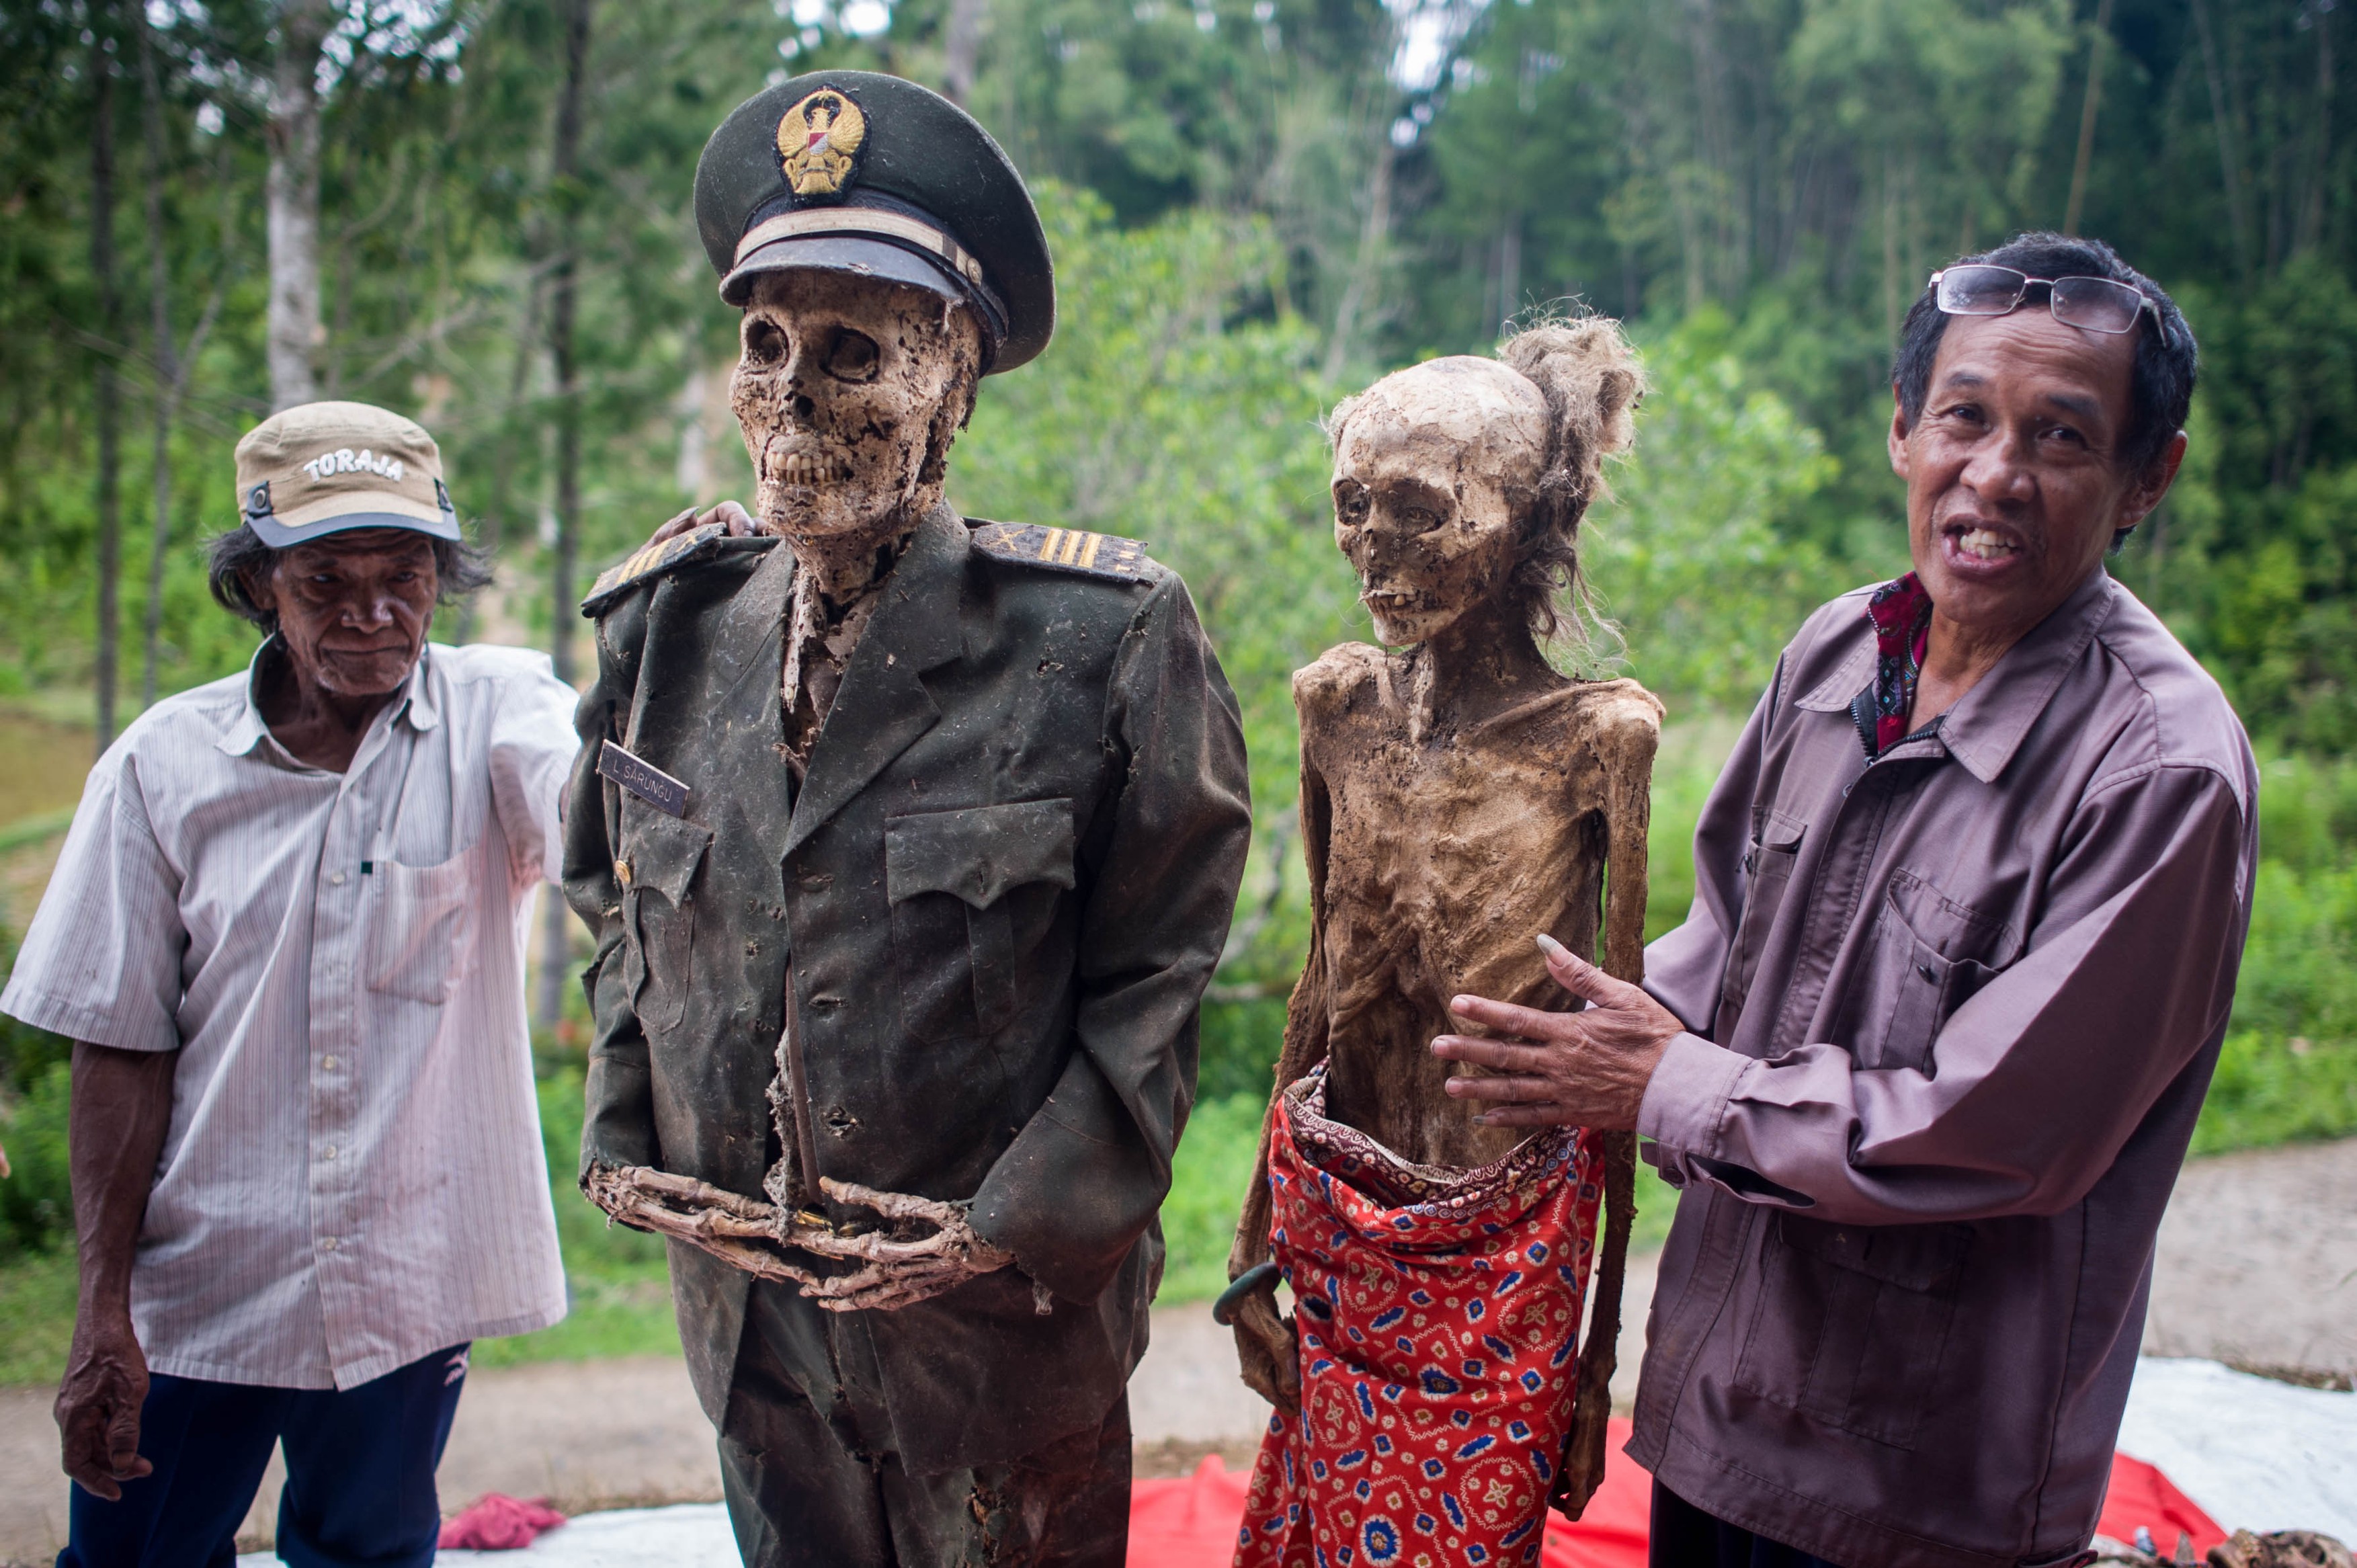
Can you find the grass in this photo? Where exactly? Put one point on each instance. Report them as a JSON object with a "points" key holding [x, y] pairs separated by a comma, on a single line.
{"points": [[616, 1280]]}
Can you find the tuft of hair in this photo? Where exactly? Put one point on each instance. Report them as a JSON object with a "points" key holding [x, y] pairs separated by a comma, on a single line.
{"points": [[1592, 381]]}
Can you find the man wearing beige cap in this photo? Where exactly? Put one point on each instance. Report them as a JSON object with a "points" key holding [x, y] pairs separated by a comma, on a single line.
{"points": [[287, 935]]}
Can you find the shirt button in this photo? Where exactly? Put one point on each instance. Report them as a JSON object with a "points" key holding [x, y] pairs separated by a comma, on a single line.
{"points": [[336, 879], [328, 1063], [1928, 972], [328, 1245], [328, 1152]]}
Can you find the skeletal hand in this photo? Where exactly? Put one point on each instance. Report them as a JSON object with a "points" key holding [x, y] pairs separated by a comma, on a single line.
{"points": [[744, 1233], [735, 518]]}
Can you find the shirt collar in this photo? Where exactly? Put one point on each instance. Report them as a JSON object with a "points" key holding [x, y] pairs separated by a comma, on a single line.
{"points": [[1988, 722], [413, 702], [1986, 726]]}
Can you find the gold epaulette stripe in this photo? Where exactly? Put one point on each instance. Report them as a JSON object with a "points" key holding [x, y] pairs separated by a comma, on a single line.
{"points": [[649, 560], [1070, 549]]}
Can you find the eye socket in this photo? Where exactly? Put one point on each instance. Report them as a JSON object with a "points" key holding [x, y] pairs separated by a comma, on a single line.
{"points": [[1350, 506], [764, 344], [1420, 519], [851, 357]]}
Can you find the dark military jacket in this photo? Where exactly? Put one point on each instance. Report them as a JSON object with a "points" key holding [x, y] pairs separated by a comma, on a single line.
{"points": [[1004, 883]]}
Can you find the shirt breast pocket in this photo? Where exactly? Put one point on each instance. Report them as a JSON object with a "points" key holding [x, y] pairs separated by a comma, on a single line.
{"points": [[1929, 954], [421, 935], [662, 854], [952, 878], [1768, 873]]}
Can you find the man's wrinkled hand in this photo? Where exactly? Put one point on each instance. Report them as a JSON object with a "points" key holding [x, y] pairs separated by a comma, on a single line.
{"points": [[735, 518], [1588, 1068], [98, 1405]]}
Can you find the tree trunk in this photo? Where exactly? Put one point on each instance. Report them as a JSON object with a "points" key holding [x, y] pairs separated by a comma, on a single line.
{"points": [[294, 331], [564, 278], [1374, 233], [106, 388], [2087, 111], [962, 48], [167, 369]]}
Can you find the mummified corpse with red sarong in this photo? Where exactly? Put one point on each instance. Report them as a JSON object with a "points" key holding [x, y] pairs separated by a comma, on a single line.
{"points": [[1439, 1314]]}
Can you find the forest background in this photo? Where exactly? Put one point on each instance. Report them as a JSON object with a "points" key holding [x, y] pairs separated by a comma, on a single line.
{"points": [[1256, 206]]}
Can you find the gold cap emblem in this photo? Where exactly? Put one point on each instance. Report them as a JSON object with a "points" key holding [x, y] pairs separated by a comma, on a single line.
{"points": [[818, 141]]}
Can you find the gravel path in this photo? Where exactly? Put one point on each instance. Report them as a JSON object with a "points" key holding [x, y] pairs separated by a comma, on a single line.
{"points": [[2257, 1266]]}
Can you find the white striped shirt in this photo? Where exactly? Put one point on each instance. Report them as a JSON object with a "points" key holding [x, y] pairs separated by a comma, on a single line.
{"points": [[353, 1176]]}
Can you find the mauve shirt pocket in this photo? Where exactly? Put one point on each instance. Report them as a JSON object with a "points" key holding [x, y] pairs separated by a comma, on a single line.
{"points": [[1851, 1322], [1926, 957]]}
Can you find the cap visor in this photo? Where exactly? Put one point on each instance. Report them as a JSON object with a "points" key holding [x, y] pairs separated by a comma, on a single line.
{"points": [[854, 253], [279, 534]]}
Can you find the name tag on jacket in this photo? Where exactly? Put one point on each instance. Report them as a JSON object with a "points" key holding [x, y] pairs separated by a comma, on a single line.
{"points": [[644, 779]]}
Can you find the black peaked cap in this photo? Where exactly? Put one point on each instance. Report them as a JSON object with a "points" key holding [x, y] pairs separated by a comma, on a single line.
{"points": [[920, 156]]}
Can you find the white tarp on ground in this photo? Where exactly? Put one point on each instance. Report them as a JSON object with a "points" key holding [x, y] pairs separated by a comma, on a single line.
{"points": [[2255, 1455]]}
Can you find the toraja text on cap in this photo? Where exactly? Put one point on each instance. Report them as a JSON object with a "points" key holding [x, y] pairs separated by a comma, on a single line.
{"points": [[344, 460], [321, 467]]}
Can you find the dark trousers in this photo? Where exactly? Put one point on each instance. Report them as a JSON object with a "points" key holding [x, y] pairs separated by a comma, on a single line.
{"points": [[1686, 1537], [823, 1488], [359, 1473]]}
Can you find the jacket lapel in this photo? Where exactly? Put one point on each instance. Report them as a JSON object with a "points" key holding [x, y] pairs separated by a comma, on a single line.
{"points": [[883, 706]]}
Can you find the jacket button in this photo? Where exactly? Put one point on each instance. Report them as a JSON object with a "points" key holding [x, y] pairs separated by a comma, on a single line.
{"points": [[1928, 972]]}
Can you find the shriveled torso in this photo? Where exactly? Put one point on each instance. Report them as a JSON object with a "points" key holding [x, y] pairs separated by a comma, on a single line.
{"points": [[1445, 855]]}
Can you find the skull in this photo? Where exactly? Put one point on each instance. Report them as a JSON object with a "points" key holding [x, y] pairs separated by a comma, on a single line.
{"points": [[849, 391], [1427, 466]]}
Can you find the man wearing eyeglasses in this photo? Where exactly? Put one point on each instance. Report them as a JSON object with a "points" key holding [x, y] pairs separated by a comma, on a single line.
{"points": [[1926, 1055]]}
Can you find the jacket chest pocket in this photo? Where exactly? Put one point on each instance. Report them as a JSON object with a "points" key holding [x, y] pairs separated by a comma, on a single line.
{"points": [[1768, 874], [421, 933], [1852, 1321], [952, 878], [662, 854], [1924, 961]]}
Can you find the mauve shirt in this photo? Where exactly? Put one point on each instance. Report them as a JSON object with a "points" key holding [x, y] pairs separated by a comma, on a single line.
{"points": [[1951, 1014]]}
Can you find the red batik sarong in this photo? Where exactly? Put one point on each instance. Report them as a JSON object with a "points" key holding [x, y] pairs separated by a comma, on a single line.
{"points": [[1439, 1316]]}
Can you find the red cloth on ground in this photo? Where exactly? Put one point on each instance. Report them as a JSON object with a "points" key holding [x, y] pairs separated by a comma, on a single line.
{"points": [[497, 1522], [1192, 1523], [1440, 1313]]}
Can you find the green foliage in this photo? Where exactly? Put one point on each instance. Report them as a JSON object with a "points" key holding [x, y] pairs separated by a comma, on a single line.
{"points": [[37, 1199], [1710, 500], [1206, 1187], [37, 1291]]}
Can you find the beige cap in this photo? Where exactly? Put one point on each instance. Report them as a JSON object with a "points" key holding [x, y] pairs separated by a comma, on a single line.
{"points": [[322, 468]]}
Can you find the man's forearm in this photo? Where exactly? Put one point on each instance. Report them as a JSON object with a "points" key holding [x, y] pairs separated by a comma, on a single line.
{"points": [[121, 1111]]}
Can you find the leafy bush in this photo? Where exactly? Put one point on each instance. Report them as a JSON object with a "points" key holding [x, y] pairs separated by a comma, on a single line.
{"points": [[36, 1200]]}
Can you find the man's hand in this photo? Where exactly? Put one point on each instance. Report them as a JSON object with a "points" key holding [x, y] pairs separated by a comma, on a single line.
{"points": [[98, 1405], [1570, 1070], [738, 522]]}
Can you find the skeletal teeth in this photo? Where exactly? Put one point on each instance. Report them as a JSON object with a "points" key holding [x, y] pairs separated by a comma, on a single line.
{"points": [[809, 468]]}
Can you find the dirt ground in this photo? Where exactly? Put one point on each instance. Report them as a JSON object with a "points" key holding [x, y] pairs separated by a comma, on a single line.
{"points": [[2257, 1267]]}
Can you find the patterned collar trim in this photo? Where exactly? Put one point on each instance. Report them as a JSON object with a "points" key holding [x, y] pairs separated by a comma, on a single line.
{"points": [[1900, 613]]}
